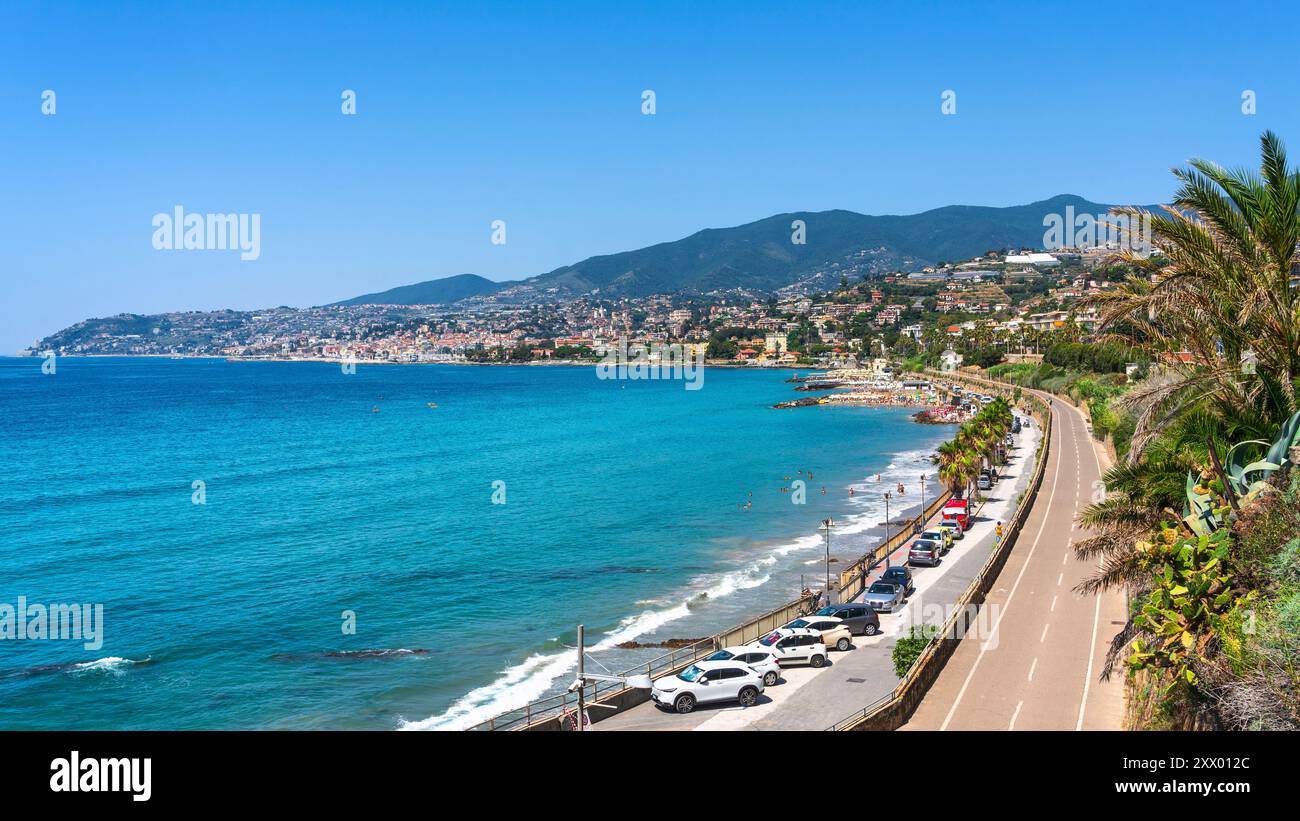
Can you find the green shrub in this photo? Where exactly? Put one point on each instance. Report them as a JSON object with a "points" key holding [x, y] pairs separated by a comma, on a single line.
{"points": [[909, 648]]}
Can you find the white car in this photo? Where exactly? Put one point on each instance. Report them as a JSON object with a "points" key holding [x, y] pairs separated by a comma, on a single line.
{"points": [[762, 660], [832, 630], [705, 682], [794, 646], [953, 527]]}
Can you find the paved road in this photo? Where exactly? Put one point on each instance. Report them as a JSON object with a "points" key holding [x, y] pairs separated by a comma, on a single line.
{"points": [[808, 699], [1039, 668]]}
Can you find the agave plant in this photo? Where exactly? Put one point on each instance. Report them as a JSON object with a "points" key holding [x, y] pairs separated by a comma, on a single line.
{"points": [[1206, 507]]}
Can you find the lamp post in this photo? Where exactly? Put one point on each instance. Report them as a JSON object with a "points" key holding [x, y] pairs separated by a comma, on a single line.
{"points": [[887, 529], [923, 517], [827, 524], [641, 682]]}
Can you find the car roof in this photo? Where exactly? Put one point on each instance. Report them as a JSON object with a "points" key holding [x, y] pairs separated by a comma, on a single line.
{"points": [[790, 631], [713, 665], [814, 616], [736, 649], [920, 542]]}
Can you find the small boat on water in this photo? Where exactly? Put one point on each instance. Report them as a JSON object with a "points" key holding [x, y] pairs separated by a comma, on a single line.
{"points": [[375, 409], [433, 405]]}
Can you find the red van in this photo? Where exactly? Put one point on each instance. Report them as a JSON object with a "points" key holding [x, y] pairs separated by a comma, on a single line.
{"points": [[958, 509]]}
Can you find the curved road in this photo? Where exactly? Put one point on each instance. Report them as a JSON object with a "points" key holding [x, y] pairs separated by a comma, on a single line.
{"points": [[1038, 669]]}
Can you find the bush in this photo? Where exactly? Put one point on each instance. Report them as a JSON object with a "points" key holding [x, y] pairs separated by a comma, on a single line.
{"points": [[909, 648]]}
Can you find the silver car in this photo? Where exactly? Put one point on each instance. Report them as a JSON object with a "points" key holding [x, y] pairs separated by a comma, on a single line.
{"points": [[884, 596]]}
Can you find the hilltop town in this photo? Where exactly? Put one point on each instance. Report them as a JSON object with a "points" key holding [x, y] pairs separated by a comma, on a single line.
{"points": [[977, 310]]}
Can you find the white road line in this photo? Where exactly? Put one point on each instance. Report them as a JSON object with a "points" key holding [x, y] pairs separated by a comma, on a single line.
{"points": [[1059, 577], [1043, 637], [1053, 609], [1033, 667], [1014, 716], [1056, 478], [1096, 619]]}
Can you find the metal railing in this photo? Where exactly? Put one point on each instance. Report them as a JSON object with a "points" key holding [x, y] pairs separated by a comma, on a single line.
{"points": [[551, 707]]}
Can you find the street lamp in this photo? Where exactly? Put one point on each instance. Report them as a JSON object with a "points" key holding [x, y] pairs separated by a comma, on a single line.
{"points": [[923, 498], [887, 529], [827, 524], [641, 682]]}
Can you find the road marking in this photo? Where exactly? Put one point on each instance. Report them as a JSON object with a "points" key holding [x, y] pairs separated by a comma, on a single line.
{"points": [[1053, 609], [1056, 479], [1043, 637], [1096, 619], [1014, 716], [1059, 577], [1032, 667]]}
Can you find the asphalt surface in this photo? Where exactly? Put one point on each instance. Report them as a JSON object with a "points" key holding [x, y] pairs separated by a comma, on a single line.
{"points": [[1039, 667], [808, 699]]}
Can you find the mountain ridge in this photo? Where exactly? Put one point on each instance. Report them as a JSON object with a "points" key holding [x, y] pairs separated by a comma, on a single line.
{"points": [[760, 256]]}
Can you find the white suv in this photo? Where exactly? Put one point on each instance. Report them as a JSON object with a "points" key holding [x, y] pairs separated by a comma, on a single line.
{"points": [[763, 661], [794, 645], [708, 681]]}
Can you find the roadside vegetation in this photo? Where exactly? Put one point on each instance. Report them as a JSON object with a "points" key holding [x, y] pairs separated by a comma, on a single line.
{"points": [[1201, 517]]}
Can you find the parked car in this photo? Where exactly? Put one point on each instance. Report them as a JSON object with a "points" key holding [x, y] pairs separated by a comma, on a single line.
{"points": [[763, 661], [857, 616], [901, 575], [924, 551], [958, 509], [940, 535], [833, 632], [953, 528], [886, 596], [705, 682], [984, 483], [792, 646]]}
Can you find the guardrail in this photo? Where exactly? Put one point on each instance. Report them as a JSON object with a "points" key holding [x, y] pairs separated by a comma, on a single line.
{"points": [[892, 711], [614, 697]]}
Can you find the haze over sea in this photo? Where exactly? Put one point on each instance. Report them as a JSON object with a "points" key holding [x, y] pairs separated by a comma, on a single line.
{"points": [[623, 512]]}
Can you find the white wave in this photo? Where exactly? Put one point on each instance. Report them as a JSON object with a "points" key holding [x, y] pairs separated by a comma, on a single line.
{"points": [[115, 665]]}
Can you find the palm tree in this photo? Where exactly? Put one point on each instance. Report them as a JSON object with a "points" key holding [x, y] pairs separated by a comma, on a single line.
{"points": [[1223, 300]]}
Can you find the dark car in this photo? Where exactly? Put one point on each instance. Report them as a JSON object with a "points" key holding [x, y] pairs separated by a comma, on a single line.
{"points": [[924, 551], [900, 574], [859, 618]]}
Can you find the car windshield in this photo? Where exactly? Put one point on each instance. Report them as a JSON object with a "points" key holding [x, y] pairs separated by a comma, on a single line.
{"points": [[923, 545], [883, 587], [691, 673], [798, 623], [721, 655], [829, 610], [894, 572], [769, 639]]}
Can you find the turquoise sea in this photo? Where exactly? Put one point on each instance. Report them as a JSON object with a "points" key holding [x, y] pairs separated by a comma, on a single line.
{"points": [[326, 492]]}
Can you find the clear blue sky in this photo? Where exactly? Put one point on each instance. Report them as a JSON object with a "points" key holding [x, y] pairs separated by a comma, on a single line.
{"points": [[530, 113]]}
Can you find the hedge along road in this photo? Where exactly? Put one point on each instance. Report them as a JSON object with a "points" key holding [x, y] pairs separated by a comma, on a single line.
{"points": [[1040, 669], [808, 699]]}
